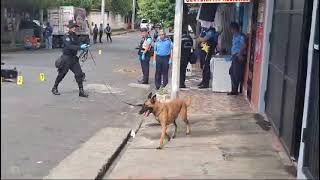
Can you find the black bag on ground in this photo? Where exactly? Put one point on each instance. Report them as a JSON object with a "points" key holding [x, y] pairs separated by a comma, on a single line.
{"points": [[9, 73]]}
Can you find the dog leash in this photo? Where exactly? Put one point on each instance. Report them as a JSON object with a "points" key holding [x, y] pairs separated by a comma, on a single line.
{"points": [[84, 56], [120, 100]]}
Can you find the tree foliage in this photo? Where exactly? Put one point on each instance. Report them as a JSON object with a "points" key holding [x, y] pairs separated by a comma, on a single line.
{"points": [[123, 7], [157, 11]]}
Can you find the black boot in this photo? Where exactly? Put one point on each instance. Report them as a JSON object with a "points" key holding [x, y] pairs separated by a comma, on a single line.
{"points": [[55, 91], [200, 84], [82, 93], [204, 86]]}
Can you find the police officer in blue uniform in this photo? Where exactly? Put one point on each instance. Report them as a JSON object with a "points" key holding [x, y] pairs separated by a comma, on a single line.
{"points": [[238, 51], [186, 47], [69, 60], [162, 59], [209, 44], [145, 53]]}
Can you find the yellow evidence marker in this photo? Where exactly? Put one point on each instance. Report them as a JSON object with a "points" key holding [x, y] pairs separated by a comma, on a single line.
{"points": [[41, 76], [100, 51], [20, 80]]}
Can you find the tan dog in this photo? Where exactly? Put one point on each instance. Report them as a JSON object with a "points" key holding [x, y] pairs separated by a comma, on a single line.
{"points": [[166, 113]]}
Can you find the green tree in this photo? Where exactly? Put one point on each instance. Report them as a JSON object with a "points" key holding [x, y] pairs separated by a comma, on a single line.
{"points": [[123, 7], [157, 11]]}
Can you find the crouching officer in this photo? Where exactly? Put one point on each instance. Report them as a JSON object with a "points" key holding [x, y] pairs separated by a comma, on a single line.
{"points": [[186, 47], [69, 60]]}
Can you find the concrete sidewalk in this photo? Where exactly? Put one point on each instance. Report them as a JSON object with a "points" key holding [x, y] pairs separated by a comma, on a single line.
{"points": [[227, 141]]}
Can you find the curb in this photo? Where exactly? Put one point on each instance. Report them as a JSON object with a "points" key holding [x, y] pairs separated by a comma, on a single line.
{"points": [[12, 49], [125, 32], [106, 167]]}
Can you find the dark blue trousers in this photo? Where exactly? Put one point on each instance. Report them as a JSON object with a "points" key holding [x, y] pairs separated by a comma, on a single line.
{"points": [[162, 70], [145, 68], [236, 72], [206, 73]]}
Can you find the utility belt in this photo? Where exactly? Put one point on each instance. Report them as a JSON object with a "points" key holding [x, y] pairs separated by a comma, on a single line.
{"points": [[148, 53], [69, 57]]}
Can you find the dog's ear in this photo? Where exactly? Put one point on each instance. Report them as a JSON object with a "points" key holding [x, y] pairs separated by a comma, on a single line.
{"points": [[153, 99], [150, 95]]}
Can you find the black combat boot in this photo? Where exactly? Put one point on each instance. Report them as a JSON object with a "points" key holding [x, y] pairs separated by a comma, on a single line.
{"points": [[82, 93], [55, 91]]}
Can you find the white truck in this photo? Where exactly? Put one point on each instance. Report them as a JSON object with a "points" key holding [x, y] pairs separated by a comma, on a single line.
{"points": [[59, 19]]}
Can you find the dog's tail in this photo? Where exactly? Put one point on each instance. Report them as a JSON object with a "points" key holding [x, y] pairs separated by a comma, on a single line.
{"points": [[188, 100]]}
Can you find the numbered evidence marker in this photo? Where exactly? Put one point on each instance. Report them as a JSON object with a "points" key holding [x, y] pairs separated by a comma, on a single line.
{"points": [[20, 80], [41, 76], [100, 51]]}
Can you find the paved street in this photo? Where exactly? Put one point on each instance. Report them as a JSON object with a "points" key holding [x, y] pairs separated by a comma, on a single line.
{"points": [[39, 130]]}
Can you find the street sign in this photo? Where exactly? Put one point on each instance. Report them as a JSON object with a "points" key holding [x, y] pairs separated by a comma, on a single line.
{"points": [[215, 1]]}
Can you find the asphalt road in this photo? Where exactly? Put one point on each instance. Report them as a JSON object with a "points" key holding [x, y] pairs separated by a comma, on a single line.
{"points": [[38, 129]]}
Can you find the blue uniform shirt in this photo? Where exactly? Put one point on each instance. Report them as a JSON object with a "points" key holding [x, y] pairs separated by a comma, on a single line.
{"points": [[163, 47], [237, 41], [210, 35]]}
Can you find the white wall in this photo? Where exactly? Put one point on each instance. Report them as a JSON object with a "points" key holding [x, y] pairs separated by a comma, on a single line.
{"points": [[306, 99], [116, 21]]}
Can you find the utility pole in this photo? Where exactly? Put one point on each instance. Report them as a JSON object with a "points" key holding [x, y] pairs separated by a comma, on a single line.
{"points": [[102, 13], [133, 13], [176, 49]]}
